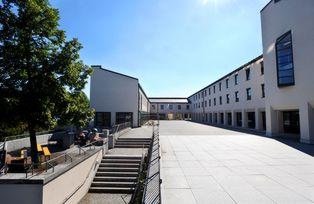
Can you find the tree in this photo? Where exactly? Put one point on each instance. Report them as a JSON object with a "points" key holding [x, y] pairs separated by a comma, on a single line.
{"points": [[41, 76]]}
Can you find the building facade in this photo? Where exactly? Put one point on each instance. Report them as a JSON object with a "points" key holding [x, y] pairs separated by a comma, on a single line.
{"points": [[288, 49], [116, 98], [236, 100], [272, 93], [170, 108]]}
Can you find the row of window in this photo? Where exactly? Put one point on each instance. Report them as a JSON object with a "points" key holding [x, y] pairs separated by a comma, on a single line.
{"points": [[236, 97], [227, 83], [170, 107]]}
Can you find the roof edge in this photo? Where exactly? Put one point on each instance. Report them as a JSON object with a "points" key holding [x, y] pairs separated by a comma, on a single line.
{"points": [[100, 67]]}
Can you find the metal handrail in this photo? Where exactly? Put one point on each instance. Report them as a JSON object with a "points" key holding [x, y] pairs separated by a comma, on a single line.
{"points": [[151, 162], [49, 163]]}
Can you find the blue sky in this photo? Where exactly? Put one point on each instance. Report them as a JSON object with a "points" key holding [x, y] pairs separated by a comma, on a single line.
{"points": [[174, 47]]}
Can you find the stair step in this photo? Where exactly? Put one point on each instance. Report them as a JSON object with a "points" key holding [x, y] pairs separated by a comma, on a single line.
{"points": [[105, 160], [115, 179], [113, 184], [118, 190], [126, 165], [117, 169], [123, 138], [131, 146], [121, 157], [117, 174]]}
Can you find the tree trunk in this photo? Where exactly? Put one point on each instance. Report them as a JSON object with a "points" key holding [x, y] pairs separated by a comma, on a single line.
{"points": [[33, 141]]}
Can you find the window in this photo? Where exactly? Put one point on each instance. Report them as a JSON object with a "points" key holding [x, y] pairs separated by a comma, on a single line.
{"points": [[248, 74], [208, 91], [262, 68], [153, 106], [263, 90], [170, 106], [123, 117], [209, 103], [236, 79], [162, 107], [179, 107], [102, 119], [219, 86], [214, 101], [236, 95], [228, 98], [187, 107], [205, 104], [227, 83], [284, 56], [220, 100], [205, 93], [214, 89], [248, 94], [202, 94]]}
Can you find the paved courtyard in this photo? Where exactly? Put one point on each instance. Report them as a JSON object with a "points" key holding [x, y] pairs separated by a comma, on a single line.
{"points": [[204, 164]]}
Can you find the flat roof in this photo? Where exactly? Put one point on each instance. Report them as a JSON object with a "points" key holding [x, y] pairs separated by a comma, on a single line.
{"points": [[168, 100]]}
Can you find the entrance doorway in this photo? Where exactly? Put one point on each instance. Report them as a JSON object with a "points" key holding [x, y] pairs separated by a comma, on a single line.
{"points": [[291, 122], [251, 120], [239, 119], [222, 121], [229, 118]]}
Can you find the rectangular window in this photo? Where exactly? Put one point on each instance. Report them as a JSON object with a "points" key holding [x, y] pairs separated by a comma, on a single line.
{"points": [[179, 107], [205, 93], [153, 107], [220, 100], [209, 103], [248, 74], [284, 57], [228, 98], [205, 104], [214, 89], [262, 67], [208, 91], [162, 107], [227, 83], [187, 107], [236, 79], [170, 106], [263, 90], [202, 94], [236, 95], [219, 86], [248, 94], [123, 117], [103, 119], [214, 101]]}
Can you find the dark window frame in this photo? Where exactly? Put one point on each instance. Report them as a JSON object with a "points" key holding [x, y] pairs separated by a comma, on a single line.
{"points": [[292, 61], [249, 94]]}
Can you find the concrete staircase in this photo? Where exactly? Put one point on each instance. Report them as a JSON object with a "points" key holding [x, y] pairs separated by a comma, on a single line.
{"points": [[117, 174], [132, 143]]}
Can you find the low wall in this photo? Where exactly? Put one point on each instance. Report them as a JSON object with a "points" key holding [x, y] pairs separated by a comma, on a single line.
{"points": [[17, 144], [21, 193], [71, 186]]}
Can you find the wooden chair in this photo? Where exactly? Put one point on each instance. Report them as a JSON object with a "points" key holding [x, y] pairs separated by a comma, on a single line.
{"points": [[46, 152]]}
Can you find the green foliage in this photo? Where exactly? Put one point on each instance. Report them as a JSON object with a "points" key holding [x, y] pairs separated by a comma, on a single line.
{"points": [[41, 74]]}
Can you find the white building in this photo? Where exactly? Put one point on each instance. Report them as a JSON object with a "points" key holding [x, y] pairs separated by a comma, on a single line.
{"points": [[117, 98], [288, 48], [237, 99], [170, 108], [279, 102]]}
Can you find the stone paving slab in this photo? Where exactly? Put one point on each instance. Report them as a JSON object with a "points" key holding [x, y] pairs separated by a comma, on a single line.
{"points": [[204, 164], [141, 132]]}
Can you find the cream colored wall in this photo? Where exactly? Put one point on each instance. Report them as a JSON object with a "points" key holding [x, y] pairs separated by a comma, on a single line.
{"points": [[110, 92], [277, 19], [256, 104], [71, 186], [144, 104]]}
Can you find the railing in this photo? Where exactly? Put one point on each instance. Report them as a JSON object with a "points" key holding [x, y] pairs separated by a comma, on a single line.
{"points": [[64, 158], [152, 183], [119, 127]]}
